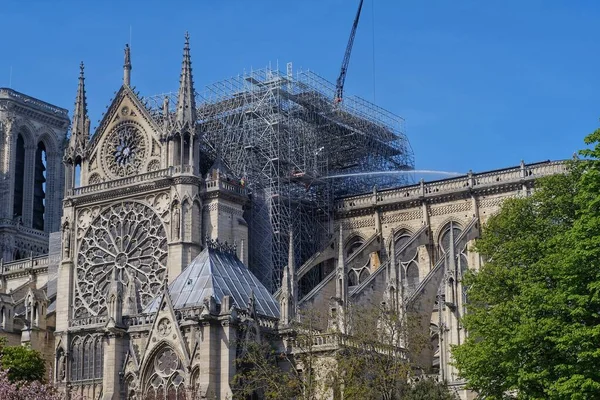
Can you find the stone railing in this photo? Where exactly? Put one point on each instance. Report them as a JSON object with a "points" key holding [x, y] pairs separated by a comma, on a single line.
{"points": [[5, 222], [334, 340], [27, 263], [30, 101], [139, 320], [85, 321], [220, 184], [522, 173], [130, 180]]}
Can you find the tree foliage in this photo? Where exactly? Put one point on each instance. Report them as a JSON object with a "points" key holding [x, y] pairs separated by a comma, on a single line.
{"points": [[22, 363], [369, 363], [533, 313]]}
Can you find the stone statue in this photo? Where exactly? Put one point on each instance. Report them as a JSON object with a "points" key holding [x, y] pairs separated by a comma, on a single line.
{"points": [[177, 222], [61, 368], [66, 240]]}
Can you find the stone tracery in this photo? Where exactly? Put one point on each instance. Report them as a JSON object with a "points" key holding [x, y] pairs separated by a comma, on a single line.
{"points": [[130, 238], [166, 377], [124, 150]]}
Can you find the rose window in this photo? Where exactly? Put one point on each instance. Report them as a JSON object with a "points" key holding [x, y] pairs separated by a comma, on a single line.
{"points": [[127, 240], [124, 150]]}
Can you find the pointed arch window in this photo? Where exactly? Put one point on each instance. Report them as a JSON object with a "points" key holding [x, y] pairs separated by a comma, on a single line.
{"points": [[166, 378], [39, 188], [19, 177], [87, 358]]}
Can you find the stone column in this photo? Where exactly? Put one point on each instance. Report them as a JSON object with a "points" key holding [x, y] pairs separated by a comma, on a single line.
{"points": [[114, 354]]}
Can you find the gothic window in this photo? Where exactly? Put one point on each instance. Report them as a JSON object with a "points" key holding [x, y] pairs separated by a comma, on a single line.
{"points": [[364, 274], [444, 240], [407, 258], [352, 278], [76, 352], [353, 245], [166, 377], [130, 238], [124, 150], [186, 209], [186, 150], [87, 358], [19, 177], [39, 188], [77, 174]]}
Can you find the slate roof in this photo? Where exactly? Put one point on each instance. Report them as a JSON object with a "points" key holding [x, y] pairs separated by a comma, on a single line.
{"points": [[218, 273]]}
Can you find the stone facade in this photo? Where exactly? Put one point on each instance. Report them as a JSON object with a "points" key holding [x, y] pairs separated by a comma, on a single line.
{"points": [[141, 290]]}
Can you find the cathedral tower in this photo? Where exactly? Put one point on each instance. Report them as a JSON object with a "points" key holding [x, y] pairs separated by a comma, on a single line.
{"points": [[32, 133]]}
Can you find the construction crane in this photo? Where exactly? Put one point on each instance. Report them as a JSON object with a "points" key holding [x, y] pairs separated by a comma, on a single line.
{"points": [[339, 88]]}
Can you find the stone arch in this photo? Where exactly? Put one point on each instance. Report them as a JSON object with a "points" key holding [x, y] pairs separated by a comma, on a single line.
{"points": [[394, 233], [163, 373], [444, 228], [186, 218], [175, 220], [444, 224], [131, 386], [352, 243], [87, 357]]}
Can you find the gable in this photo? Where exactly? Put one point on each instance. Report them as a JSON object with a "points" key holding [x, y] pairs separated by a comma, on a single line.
{"points": [[126, 143]]}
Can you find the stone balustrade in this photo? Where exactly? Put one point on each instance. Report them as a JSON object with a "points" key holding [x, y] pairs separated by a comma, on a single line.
{"points": [[220, 184], [32, 102], [335, 340], [211, 185], [27, 263], [86, 321], [520, 174], [10, 223]]}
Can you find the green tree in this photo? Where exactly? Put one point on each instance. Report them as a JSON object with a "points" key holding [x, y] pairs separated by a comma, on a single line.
{"points": [[533, 313], [428, 389], [22, 363]]}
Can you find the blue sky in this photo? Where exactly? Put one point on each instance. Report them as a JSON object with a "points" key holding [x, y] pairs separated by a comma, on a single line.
{"points": [[481, 84]]}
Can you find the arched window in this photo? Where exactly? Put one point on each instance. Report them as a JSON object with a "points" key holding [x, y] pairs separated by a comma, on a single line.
{"points": [[444, 240], [19, 177], [39, 188], [166, 377], [407, 257], [353, 245], [76, 359], [77, 174], [412, 277], [87, 358]]}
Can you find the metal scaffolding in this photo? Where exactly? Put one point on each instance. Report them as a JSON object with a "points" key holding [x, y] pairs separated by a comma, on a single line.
{"points": [[282, 133]]}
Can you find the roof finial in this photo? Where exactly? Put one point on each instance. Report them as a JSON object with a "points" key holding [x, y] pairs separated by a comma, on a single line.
{"points": [[127, 66], [185, 117], [80, 128]]}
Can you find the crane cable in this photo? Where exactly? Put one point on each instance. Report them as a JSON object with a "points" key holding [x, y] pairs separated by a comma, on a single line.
{"points": [[373, 46]]}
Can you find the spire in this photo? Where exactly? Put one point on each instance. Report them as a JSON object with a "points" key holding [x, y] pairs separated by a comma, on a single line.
{"points": [[284, 301], [292, 273], [392, 284], [81, 124], [288, 300], [341, 287], [127, 67], [186, 103]]}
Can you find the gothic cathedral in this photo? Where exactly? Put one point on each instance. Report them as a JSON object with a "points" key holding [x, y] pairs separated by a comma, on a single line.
{"points": [[126, 265]]}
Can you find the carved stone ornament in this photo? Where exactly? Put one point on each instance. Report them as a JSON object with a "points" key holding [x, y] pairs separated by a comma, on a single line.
{"points": [[130, 238], [164, 327], [124, 150]]}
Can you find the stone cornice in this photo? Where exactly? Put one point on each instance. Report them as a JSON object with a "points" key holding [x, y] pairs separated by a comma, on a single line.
{"points": [[34, 108], [487, 183]]}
